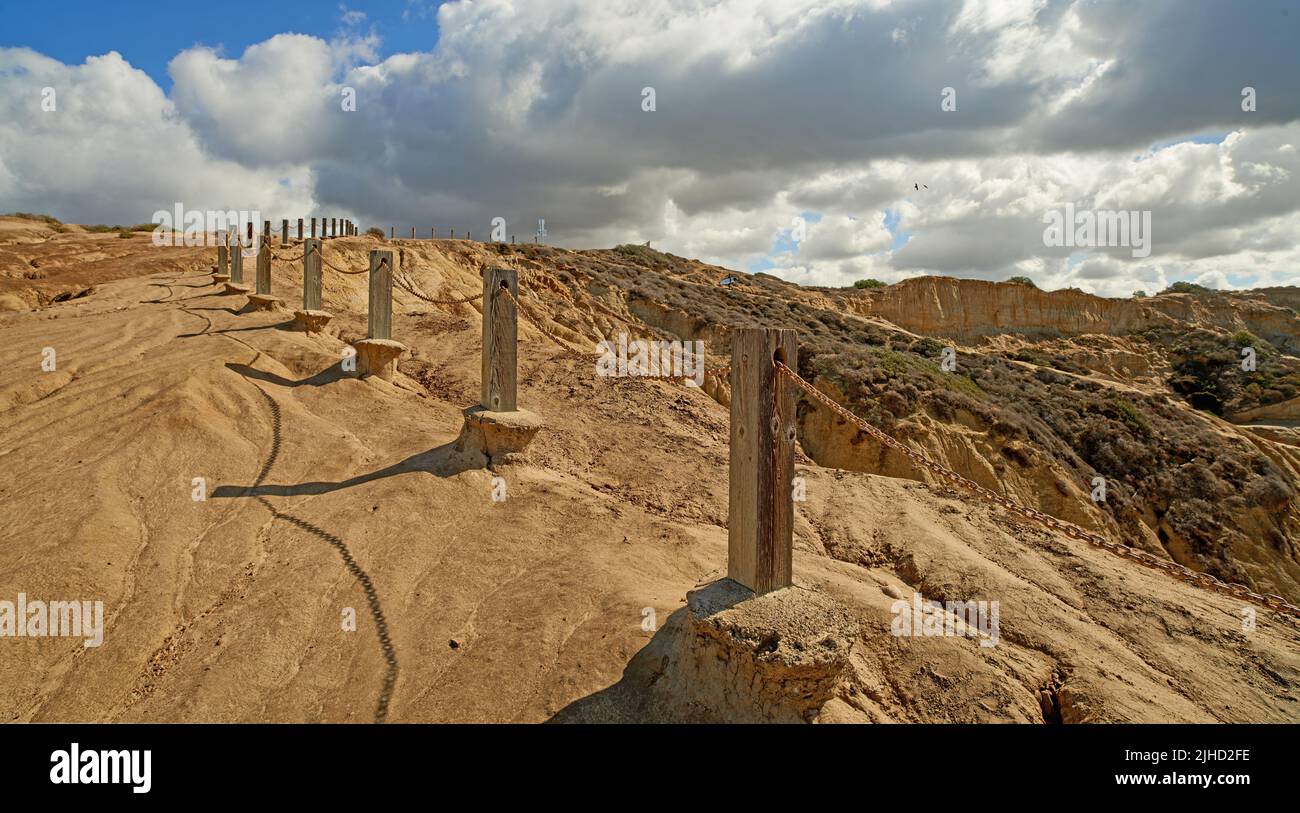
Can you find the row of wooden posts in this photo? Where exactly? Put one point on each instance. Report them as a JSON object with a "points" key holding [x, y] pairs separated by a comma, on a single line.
{"points": [[329, 227], [338, 227], [760, 517]]}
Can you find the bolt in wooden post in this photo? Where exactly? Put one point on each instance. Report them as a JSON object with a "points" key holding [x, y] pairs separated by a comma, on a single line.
{"points": [[500, 338], [311, 276], [381, 295], [264, 268], [760, 515]]}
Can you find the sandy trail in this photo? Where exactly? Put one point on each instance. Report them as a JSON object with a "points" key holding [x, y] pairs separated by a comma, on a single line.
{"points": [[328, 495]]}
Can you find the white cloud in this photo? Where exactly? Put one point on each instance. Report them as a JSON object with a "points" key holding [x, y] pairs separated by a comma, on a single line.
{"points": [[765, 109]]}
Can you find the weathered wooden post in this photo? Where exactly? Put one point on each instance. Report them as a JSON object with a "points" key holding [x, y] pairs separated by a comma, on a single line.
{"points": [[380, 325], [223, 261], [392, 232], [496, 430], [313, 227], [261, 298], [284, 232], [760, 516], [236, 283], [311, 318], [300, 229], [250, 232], [377, 354], [500, 340], [266, 231]]}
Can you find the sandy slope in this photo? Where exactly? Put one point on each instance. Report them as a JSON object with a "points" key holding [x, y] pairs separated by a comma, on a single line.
{"points": [[230, 609]]}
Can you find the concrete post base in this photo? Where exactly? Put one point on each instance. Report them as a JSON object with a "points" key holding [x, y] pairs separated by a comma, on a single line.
{"points": [[263, 302], [237, 288], [378, 357], [778, 657], [311, 321], [492, 438]]}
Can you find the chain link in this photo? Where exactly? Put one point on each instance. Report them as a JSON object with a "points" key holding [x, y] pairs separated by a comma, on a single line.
{"points": [[1180, 572], [410, 288]]}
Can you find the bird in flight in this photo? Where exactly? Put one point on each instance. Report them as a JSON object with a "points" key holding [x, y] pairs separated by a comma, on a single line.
{"points": [[918, 188]]}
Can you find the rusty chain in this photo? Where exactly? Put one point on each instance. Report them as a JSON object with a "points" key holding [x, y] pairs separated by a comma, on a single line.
{"points": [[1269, 600], [410, 288]]}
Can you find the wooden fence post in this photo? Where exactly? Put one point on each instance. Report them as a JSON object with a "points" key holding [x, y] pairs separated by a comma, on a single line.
{"points": [[760, 511], [250, 232], [284, 232], [412, 232], [500, 337], [300, 229], [266, 231], [311, 275], [237, 259], [381, 296], [313, 227], [392, 232], [264, 268], [223, 260], [311, 318]]}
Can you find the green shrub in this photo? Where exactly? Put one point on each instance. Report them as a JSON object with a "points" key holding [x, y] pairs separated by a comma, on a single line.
{"points": [[1185, 288], [1022, 281], [376, 232], [47, 219], [1244, 338], [869, 283]]}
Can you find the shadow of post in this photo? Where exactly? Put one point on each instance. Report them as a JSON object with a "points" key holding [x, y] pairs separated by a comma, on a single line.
{"points": [[441, 461]]}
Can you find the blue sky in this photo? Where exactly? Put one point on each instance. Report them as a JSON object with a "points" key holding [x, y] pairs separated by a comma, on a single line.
{"points": [[765, 112], [148, 35]]}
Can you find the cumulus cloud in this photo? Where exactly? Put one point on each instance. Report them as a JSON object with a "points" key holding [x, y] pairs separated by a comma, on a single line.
{"points": [[764, 110]]}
